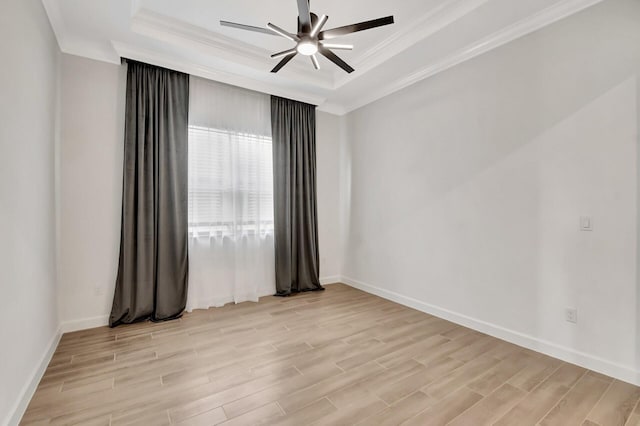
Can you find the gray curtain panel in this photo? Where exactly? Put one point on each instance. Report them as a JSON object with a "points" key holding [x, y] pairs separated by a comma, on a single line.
{"points": [[293, 126], [153, 266]]}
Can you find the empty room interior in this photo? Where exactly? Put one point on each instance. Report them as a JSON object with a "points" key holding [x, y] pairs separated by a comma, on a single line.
{"points": [[319, 212]]}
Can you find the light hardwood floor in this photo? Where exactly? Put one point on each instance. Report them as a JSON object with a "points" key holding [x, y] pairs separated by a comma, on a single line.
{"points": [[336, 357]]}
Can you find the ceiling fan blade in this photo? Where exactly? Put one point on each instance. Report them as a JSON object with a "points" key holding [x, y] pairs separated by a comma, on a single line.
{"points": [[283, 62], [247, 27], [361, 26], [337, 46], [279, 31], [284, 53], [314, 61], [318, 26], [335, 59], [304, 15]]}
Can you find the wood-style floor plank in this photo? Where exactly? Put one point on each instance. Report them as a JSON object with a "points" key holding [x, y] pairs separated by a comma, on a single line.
{"points": [[616, 405], [492, 407], [400, 411], [446, 409], [338, 357], [576, 404]]}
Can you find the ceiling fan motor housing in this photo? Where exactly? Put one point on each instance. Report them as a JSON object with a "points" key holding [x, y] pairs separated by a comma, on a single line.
{"points": [[307, 45]]}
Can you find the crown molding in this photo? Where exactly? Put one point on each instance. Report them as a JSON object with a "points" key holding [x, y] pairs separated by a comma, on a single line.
{"points": [[332, 108], [104, 53], [71, 46], [424, 26], [57, 22], [160, 59], [506, 35], [181, 34]]}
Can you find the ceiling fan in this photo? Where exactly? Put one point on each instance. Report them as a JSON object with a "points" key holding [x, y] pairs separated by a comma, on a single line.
{"points": [[310, 39]]}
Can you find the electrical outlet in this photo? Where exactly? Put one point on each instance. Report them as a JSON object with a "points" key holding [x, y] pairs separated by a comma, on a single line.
{"points": [[571, 315]]}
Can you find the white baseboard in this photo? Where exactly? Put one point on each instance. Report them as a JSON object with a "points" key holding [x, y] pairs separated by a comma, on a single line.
{"points": [[103, 320], [603, 366], [331, 279], [84, 323], [26, 393]]}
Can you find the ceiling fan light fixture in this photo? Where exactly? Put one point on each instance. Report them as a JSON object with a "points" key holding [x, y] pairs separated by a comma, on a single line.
{"points": [[307, 47]]}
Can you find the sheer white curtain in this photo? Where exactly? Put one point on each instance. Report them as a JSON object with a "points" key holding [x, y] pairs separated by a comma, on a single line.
{"points": [[231, 255]]}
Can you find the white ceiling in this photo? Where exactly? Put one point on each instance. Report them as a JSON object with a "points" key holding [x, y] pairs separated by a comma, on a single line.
{"points": [[428, 37]]}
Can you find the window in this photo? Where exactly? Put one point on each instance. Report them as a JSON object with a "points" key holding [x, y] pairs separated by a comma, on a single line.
{"points": [[230, 183], [231, 248]]}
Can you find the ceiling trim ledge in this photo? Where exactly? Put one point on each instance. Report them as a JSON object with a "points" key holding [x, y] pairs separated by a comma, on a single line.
{"points": [[510, 33], [162, 60], [184, 35], [425, 26], [67, 44]]}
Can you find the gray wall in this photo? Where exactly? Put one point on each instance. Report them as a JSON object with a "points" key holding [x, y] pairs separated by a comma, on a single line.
{"points": [[328, 181], [92, 147], [466, 190], [28, 304]]}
